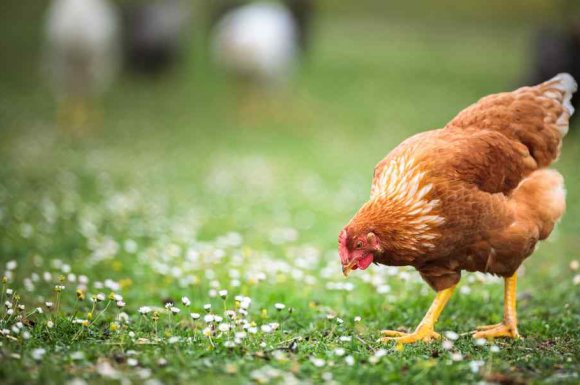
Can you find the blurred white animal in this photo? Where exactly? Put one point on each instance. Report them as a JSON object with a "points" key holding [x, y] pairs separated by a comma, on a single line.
{"points": [[82, 54], [258, 42]]}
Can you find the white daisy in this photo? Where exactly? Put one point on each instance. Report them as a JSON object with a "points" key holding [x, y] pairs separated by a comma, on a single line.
{"points": [[144, 309]]}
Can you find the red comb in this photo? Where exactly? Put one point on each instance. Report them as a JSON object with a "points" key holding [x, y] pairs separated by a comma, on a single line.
{"points": [[342, 249]]}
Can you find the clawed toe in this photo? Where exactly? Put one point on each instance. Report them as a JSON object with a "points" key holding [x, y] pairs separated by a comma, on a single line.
{"points": [[497, 331], [424, 335], [392, 333], [487, 327]]}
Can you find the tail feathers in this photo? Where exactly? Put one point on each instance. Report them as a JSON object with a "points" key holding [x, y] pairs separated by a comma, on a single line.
{"points": [[541, 199], [561, 88]]}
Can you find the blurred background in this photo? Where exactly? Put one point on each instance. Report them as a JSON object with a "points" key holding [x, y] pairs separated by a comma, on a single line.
{"points": [[167, 121], [169, 148]]}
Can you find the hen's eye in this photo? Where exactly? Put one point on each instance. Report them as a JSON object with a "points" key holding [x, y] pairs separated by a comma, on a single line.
{"points": [[358, 245]]}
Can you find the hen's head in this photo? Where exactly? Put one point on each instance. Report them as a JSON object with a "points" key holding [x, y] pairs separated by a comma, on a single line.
{"points": [[357, 249]]}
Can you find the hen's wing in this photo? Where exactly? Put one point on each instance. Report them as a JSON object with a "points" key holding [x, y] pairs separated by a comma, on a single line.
{"points": [[493, 144], [536, 117]]}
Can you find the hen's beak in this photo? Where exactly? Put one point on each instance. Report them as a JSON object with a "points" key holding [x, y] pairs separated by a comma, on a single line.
{"points": [[346, 269]]}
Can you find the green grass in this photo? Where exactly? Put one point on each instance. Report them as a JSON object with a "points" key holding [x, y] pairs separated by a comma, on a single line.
{"points": [[147, 201]]}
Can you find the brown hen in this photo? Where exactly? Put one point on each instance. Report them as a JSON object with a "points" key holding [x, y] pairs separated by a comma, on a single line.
{"points": [[475, 195]]}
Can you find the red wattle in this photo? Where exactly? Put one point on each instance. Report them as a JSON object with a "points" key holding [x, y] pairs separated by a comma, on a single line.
{"points": [[364, 262]]}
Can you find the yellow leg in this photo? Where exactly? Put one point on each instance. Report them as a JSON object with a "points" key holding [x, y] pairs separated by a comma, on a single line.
{"points": [[64, 115], [426, 329], [80, 117], [509, 326], [74, 116]]}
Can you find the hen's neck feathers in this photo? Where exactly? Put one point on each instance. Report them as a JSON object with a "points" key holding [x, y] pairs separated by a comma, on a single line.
{"points": [[402, 210]]}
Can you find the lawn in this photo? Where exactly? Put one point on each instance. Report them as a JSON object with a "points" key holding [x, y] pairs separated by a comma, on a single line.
{"points": [[185, 191]]}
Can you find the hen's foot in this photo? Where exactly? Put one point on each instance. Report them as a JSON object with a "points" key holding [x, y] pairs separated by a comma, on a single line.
{"points": [[497, 331], [424, 335]]}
